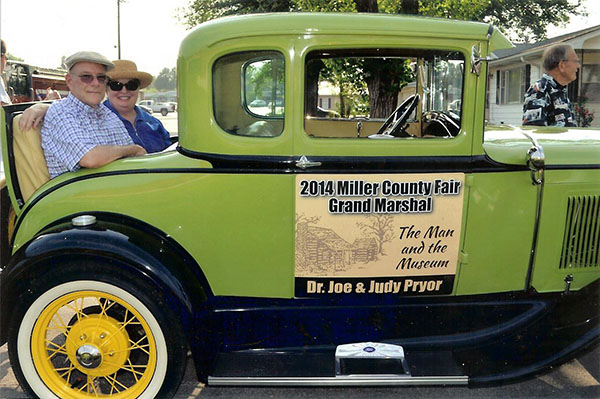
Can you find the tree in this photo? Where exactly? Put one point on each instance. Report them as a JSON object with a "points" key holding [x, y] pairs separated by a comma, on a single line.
{"points": [[346, 74], [166, 79], [527, 19], [524, 19], [199, 11], [385, 78], [265, 75], [9, 56]]}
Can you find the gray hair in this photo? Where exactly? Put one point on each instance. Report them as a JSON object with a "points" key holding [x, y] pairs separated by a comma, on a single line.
{"points": [[554, 55]]}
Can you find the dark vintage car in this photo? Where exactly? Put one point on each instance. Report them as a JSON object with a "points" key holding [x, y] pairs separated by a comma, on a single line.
{"points": [[363, 227]]}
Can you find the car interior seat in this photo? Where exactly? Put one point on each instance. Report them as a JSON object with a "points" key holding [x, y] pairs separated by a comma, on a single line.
{"points": [[30, 162]]}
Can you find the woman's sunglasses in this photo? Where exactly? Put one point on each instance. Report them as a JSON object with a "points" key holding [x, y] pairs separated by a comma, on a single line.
{"points": [[132, 85]]}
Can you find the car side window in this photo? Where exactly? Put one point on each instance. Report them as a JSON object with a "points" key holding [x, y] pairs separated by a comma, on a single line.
{"points": [[249, 93], [383, 93]]}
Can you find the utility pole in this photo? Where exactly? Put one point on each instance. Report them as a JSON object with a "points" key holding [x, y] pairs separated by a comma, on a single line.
{"points": [[119, 29]]}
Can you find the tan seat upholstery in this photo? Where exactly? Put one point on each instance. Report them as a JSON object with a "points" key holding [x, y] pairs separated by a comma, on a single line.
{"points": [[30, 163]]}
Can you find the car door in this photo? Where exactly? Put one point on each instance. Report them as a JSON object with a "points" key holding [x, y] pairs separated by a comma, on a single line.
{"points": [[406, 208]]}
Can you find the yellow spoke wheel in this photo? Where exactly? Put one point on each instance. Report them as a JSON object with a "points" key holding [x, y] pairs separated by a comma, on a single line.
{"points": [[90, 357], [89, 339]]}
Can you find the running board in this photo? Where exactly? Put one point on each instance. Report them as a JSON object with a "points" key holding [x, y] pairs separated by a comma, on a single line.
{"points": [[359, 364], [346, 380]]}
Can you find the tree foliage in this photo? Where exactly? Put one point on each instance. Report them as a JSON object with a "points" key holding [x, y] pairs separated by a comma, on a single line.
{"points": [[325, 5], [385, 79], [265, 75], [348, 79], [9, 56], [199, 11], [523, 19], [166, 79]]}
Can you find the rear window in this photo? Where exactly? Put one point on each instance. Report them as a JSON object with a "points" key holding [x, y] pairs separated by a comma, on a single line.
{"points": [[249, 97]]}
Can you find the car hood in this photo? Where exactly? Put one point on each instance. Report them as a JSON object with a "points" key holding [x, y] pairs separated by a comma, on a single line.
{"points": [[562, 146]]}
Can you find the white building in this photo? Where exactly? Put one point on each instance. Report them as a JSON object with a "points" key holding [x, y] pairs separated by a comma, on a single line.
{"points": [[329, 96]]}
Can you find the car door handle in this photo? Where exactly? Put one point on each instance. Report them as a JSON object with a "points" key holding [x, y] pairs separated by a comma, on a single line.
{"points": [[304, 163]]}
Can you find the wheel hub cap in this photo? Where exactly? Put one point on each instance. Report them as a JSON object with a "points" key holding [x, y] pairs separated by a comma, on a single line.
{"points": [[98, 345], [89, 356]]}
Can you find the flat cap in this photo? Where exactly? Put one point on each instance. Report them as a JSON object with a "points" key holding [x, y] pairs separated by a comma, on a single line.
{"points": [[89, 56]]}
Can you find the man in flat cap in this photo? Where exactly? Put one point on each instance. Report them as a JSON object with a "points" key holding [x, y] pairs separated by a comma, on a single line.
{"points": [[80, 131]]}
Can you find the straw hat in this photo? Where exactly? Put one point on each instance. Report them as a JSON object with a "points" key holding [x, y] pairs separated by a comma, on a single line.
{"points": [[125, 69]]}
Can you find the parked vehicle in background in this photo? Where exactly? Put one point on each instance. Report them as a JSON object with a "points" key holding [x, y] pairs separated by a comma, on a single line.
{"points": [[29, 83], [155, 106], [395, 242], [258, 103], [173, 105], [145, 108]]}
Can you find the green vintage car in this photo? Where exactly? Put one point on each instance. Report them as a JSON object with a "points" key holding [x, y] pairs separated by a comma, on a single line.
{"points": [[334, 212]]}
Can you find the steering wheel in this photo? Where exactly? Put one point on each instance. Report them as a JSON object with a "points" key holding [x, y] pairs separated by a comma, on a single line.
{"points": [[440, 124], [394, 124]]}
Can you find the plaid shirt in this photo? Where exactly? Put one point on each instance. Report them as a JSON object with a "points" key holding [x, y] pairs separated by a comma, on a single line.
{"points": [[72, 128], [547, 104]]}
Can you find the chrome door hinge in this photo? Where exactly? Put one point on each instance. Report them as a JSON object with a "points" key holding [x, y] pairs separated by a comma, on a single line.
{"points": [[463, 257], [536, 160]]}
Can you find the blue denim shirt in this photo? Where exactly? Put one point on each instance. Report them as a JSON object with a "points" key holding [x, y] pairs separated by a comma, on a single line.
{"points": [[148, 132]]}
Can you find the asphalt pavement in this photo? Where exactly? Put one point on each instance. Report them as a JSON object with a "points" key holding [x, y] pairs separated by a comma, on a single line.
{"points": [[169, 122]]}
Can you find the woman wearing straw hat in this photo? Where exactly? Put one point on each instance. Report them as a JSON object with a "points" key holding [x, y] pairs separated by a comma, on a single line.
{"points": [[122, 91]]}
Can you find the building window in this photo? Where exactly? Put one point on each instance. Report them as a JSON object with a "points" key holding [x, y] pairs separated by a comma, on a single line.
{"points": [[513, 85], [590, 87]]}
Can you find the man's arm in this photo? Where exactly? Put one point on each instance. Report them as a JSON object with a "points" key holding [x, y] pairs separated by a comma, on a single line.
{"points": [[535, 108], [104, 154], [33, 116]]}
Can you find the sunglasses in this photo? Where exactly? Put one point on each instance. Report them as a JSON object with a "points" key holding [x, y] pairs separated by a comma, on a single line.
{"points": [[132, 85], [87, 78]]}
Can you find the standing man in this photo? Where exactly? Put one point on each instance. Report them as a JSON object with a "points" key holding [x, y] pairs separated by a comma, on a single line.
{"points": [[79, 131], [4, 97], [546, 101]]}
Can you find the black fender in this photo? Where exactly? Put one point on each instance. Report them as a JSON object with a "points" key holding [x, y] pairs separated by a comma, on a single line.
{"points": [[133, 247]]}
